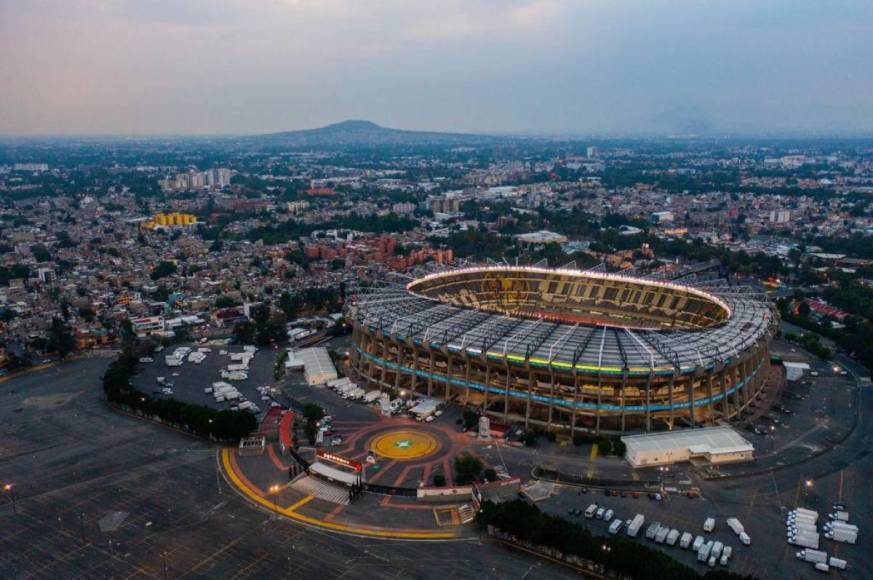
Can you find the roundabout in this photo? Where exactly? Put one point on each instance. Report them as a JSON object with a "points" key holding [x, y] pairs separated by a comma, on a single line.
{"points": [[404, 444]]}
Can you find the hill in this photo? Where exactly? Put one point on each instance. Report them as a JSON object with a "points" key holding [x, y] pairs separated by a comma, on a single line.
{"points": [[366, 133]]}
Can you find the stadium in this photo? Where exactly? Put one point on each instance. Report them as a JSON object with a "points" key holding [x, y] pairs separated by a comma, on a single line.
{"points": [[568, 350]]}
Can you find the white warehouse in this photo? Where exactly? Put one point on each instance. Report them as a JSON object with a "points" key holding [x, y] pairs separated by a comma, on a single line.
{"points": [[317, 366], [711, 444]]}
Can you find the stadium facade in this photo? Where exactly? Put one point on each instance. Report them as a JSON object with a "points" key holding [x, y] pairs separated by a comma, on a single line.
{"points": [[568, 350]]}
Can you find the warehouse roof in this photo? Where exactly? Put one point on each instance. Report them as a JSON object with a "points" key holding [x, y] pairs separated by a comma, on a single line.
{"points": [[317, 366], [711, 440]]}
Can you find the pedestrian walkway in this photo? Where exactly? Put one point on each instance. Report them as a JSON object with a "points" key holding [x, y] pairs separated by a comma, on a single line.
{"points": [[322, 489]]}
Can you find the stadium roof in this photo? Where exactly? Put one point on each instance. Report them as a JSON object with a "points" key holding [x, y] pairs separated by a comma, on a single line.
{"points": [[394, 311]]}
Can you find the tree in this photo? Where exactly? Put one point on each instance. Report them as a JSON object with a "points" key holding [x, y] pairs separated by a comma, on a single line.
{"points": [[313, 412], [40, 253], [244, 332], [224, 302], [439, 480], [289, 304], [803, 310], [467, 469], [60, 339], [163, 269]]}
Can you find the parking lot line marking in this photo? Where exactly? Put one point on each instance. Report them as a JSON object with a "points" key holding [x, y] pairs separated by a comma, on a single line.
{"points": [[301, 503]]}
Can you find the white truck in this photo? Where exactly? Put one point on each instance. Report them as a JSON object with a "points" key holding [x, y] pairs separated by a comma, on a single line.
{"points": [[698, 543], [837, 563], [615, 526], [841, 516], [172, 361], [356, 394], [745, 539], [337, 384], [590, 511], [798, 528], [841, 536], [652, 530], [661, 536], [812, 556], [372, 396], [802, 518], [708, 524], [685, 540], [716, 549], [634, 528], [704, 551], [673, 537], [736, 526], [806, 541], [804, 512], [345, 388], [841, 526]]}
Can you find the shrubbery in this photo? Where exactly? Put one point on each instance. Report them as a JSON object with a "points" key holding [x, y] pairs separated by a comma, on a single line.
{"points": [[200, 420], [467, 469]]}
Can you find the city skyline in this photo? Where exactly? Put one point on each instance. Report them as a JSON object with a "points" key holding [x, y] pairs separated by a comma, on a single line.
{"points": [[521, 67]]}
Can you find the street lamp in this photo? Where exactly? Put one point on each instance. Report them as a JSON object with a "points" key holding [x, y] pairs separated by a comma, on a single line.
{"points": [[274, 489], [10, 489]]}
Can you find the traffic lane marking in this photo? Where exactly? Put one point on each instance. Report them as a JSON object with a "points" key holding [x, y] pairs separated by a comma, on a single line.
{"points": [[301, 503], [337, 527]]}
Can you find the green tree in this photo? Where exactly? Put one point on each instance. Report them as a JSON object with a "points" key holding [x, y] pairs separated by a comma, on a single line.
{"points": [[313, 412], [163, 269], [224, 302], [467, 469], [60, 338], [40, 253]]}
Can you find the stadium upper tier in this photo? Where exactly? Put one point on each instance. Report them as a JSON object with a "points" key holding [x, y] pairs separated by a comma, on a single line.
{"points": [[574, 296], [568, 319]]}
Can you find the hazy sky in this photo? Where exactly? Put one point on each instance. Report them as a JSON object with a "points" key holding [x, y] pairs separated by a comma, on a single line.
{"points": [[584, 66]]}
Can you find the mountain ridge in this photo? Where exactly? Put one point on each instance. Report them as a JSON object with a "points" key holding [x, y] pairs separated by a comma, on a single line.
{"points": [[359, 132]]}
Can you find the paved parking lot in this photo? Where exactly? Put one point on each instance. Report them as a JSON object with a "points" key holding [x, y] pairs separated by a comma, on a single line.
{"points": [[190, 379], [103, 495]]}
